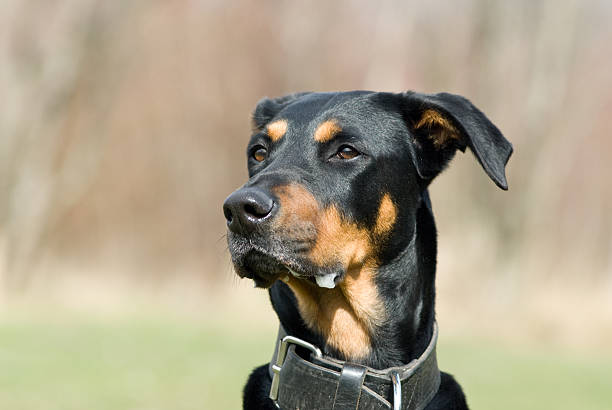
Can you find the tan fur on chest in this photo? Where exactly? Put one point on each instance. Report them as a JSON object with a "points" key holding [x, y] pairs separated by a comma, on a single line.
{"points": [[345, 315]]}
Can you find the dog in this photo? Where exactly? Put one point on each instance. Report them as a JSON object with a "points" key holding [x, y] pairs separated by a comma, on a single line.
{"points": [[336, 222]]}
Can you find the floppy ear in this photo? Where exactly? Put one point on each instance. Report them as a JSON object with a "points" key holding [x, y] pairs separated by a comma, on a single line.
{"points": [[267, 108], [442, 123]]}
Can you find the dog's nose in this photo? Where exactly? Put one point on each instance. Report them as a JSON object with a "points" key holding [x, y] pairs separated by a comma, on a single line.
{"points": [[245, 208]]}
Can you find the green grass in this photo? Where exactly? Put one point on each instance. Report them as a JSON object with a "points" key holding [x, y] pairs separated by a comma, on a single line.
{"points": [[164, 363], [511, 378]]}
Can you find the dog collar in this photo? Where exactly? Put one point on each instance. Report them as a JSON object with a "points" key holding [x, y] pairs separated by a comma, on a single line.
{"points": [[326, 383]]}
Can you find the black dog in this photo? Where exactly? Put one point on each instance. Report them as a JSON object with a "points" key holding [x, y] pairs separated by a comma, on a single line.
{"points": [[337, 208]]}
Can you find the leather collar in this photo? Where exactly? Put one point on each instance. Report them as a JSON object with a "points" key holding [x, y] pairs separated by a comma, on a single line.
{"points": [[323, 382]]}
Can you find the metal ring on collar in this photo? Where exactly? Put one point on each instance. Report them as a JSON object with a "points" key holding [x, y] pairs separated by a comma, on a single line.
{"points": [[280, 359]]}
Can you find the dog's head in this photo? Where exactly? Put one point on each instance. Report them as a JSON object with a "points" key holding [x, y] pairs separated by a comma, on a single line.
{"points": [[336, 179]]}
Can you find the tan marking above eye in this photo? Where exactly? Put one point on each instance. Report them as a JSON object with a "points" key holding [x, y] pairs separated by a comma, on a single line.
{"points": [[327, 130], [277, 129], [442, 131]]}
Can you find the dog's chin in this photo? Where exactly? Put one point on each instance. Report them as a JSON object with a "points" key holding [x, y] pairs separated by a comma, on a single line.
{"points": [[262, 268], [265, 269], [265, 265]]}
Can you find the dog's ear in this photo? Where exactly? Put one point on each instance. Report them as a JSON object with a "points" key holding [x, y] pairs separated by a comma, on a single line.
{"points": [[267, 108], [442, 123]]}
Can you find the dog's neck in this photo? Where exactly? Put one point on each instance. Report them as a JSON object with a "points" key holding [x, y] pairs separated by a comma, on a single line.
{"points": [[406, 287]]}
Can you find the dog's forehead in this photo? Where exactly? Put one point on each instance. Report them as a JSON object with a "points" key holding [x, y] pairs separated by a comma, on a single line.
{"points": [[311, 105], [319, 115]]}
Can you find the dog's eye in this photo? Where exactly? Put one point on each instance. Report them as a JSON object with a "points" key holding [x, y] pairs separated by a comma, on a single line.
{"points": [[347, 152], [259, 153]]}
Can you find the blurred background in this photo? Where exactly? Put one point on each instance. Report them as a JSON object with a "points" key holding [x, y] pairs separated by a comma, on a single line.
{"points": [[123, 127]]}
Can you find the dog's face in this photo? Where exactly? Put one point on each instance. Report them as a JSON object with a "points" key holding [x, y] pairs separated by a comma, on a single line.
{"points": [[336, 182], [313, 207], [335, 179]]}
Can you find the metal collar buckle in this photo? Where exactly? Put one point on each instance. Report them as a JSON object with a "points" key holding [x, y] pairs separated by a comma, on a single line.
{"points": [[280, 359], [397, 391]]}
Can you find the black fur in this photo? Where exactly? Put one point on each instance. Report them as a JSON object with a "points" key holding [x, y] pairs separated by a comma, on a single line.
{"points": [[396, 159]]}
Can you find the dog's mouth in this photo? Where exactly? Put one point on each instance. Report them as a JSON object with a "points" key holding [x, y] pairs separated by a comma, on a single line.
{"points": [[265, 267]]}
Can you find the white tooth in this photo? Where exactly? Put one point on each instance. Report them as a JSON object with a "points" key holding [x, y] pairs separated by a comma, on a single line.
{"points": [[292, 272], [326, 281]]}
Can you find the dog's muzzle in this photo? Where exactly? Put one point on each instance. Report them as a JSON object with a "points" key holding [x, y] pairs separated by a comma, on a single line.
{"points": [[246, 209]]}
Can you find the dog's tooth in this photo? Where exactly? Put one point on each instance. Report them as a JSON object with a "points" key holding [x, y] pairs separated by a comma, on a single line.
{"points": [[326, 281]]}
